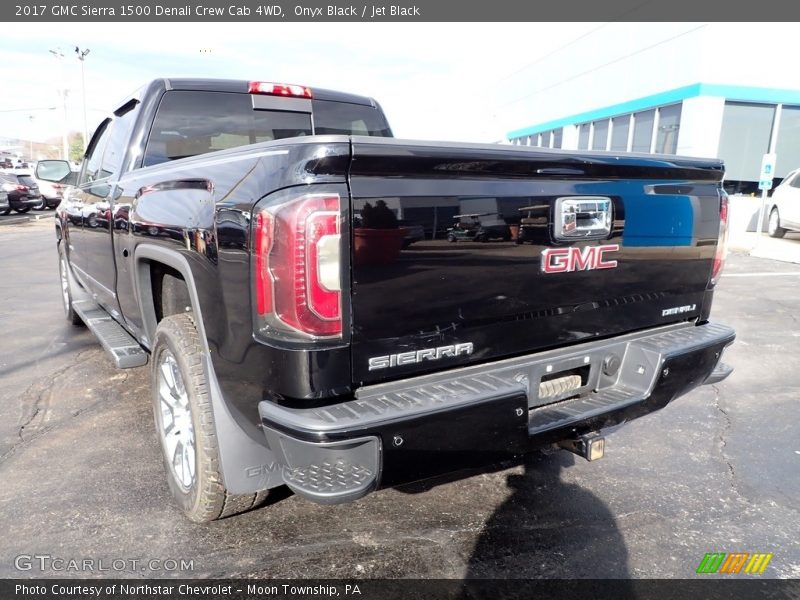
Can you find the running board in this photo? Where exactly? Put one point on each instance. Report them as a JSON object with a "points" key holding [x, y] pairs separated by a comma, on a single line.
{"points": [[124, 350]]}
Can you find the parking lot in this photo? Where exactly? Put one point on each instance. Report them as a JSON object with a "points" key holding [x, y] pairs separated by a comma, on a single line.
{"points": [[716, 471]]}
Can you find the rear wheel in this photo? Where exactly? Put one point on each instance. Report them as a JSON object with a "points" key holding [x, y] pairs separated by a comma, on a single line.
{"points": [[5, 211], [42, 205], [185, 425], [451, 239], [22, 211], [774, 226]]}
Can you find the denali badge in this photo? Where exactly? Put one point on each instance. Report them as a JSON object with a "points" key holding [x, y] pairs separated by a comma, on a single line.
{"points": [[417, 356], [563, 260], [677, 310]]}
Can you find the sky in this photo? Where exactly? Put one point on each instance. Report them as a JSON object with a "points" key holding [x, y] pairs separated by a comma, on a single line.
{"points": [[461, 82], [434, 81]]}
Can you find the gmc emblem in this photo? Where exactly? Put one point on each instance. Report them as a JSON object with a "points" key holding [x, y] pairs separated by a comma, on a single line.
{"points": [[588, 258]]}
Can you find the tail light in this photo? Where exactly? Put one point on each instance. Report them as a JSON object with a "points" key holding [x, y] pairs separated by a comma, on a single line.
{"points": [[722, 241], [22, 188], [297, 268]]}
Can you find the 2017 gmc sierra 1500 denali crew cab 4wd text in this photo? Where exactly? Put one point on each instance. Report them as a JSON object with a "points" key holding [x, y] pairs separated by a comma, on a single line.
{"points": [[243, 237]]}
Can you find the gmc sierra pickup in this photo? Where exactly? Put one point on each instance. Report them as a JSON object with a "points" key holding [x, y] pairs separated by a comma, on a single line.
{"points": [[247, 239]]}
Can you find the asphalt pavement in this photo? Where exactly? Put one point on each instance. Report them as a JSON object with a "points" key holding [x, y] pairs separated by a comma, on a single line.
{"points": [[716, 471]]}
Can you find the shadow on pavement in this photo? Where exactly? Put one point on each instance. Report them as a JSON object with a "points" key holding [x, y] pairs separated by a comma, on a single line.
{"points": [[549, 529]]}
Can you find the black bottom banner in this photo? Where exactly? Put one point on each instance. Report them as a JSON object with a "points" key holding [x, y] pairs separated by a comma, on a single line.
{"points": [[375, 589]]}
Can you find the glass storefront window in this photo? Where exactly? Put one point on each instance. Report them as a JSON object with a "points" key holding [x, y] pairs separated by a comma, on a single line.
{"points": [[620, 126], [600, 137], [643, 130], [583, 137], [669, 123], [746, 132], [788, 146]]}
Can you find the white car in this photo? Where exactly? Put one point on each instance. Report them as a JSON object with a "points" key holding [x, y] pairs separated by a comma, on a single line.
{"points": [[785, 213]]}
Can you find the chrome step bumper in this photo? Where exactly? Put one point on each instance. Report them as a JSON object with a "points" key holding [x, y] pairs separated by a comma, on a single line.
{"points": [[492, 409]]}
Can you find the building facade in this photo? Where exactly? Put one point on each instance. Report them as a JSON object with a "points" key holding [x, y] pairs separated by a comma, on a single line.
{"points": [[703, 90]]}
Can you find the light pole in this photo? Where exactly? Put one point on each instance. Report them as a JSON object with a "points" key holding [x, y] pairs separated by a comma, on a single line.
{"points": [[30, 141], [82, 57], [64, 144]]}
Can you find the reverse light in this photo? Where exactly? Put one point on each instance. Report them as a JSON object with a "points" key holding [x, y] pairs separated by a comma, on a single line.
{"points": [[279, 89], [722, 241], [297, 266]]}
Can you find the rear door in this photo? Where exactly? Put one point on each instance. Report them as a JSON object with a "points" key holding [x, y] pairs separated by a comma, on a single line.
{"points": [[626, 243], [94, 198], [90, 185]]}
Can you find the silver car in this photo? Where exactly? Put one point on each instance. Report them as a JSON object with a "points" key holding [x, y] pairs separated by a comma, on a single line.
{"points": [[785, 213]]}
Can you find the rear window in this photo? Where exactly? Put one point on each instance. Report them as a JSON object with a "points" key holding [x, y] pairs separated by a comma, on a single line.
{"points": [[189, 123], [195, 122], [26, 180], [342, 118]]}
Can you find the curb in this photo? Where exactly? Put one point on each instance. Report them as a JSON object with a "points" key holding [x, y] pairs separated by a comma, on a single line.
{"points": [[20, 219]]}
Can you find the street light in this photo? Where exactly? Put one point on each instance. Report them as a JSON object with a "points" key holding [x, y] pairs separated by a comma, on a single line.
{"points": [[82, 57], [30, 141], [64, 144]]}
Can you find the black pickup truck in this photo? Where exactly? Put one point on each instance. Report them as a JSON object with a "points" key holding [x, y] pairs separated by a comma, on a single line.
{"points": [[213, 232]]}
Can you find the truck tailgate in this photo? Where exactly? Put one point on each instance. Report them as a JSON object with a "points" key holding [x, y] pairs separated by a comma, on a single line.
{"points": [[610, 244]]}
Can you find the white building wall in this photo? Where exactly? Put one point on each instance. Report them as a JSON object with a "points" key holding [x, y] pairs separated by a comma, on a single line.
{"points": [[620, 62]]}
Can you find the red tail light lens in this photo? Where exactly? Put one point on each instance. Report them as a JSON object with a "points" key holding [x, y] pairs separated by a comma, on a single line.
{"points": [[279, 89], [22, 188], [298, 268], [722, 242]]}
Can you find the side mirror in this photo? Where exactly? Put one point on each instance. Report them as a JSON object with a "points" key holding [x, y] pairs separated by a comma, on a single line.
{"points": [[53, 170]]}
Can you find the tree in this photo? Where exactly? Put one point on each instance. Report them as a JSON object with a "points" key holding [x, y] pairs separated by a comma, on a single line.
{"points": [[76, 148]]}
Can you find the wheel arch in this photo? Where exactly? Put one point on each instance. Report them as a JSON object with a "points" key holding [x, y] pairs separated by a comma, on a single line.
{"points": [[246, 463]]}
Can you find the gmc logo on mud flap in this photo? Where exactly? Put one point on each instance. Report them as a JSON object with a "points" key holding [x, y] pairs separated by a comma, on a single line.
{"points": [[588, 258]]}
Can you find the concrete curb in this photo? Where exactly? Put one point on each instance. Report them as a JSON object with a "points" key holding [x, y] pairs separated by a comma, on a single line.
{"points": [[20, 219]]}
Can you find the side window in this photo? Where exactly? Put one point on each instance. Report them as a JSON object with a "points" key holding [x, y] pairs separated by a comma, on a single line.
{"points": [[795, 182], [92, 161], [118, 141]]}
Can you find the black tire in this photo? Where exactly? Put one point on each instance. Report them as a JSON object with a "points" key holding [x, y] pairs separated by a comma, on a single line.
{"points": [[774, 224], [22, 211], [451, 239], [42, 205], [66, 287], [205, 499], [5, 211]]}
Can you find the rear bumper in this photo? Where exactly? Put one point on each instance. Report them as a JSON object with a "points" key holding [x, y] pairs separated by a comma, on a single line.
{"points": [[23, 202], [416, 428]]}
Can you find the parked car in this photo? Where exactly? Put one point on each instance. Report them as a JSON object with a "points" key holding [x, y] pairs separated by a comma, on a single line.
{"points": [[414, 232], [23, 192], [478, 228], [53, 191], [785, 213]]}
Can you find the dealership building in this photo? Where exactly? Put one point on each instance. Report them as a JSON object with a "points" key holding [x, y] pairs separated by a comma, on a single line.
{"points": [[690, 89]]}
